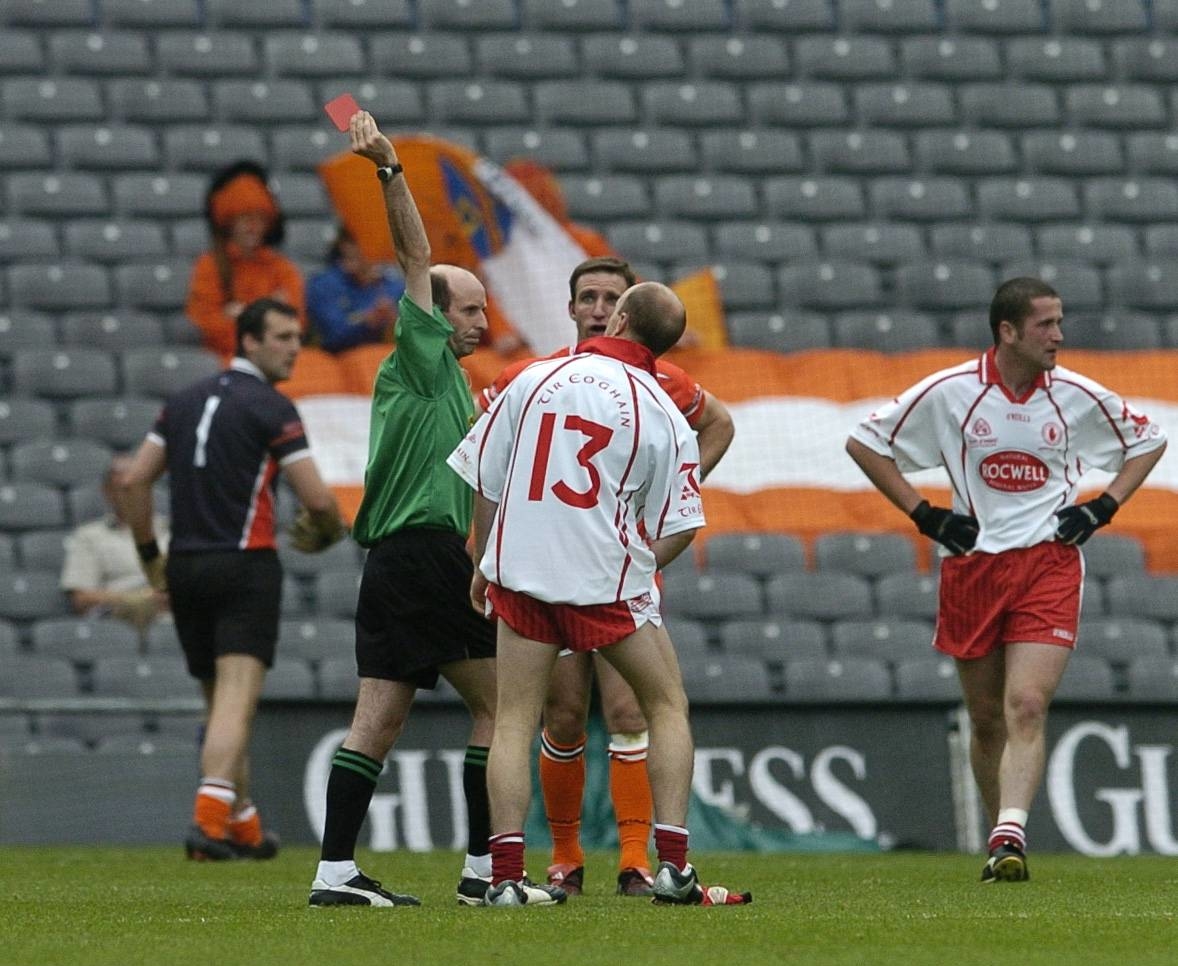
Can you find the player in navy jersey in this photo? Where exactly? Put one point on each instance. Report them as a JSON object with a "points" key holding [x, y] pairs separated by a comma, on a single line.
{"points": [[1014, 431], [223, 441]]}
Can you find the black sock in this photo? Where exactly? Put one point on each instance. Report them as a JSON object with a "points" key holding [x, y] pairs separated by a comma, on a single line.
{"points": [[478, 804], [349, 792]]}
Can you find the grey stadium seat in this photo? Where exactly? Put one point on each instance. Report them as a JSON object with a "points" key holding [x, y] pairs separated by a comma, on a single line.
{"points": [[422, 55], [117, 52], [1113, 331], [337, 679], [529, 56], [703, 197], [158, 100], [52, 100], [159, 285], [652, 150], [61, 462], [815, 198], [1122, 639], [915, 104], [819, 595], [571, 14], [889, 16], [156, 13], [149, 678], [1131, 200], [1124, 106], [925, 679], [26, 238], [26, 676], [43, 549], [204, 147], [301, 148], [81, 640], [837, 681], [605, 198], [68, 194], [108, 147], [920, 199], [264, 102], [21, 53], [1152, 59], [777, 332], [885, 331], [678, 16], [1153, 679], [727, 57], [794, 16], [659, 241], [1009, 105], [159, 196], [1079, 283], [22, 145], [765, 241], [1098, 17], [31, 595], [944, 285], [113, 240], [1165, 15], [309, 238], [774, 641], [965, 152], [751, 152], [1110, 554], [120, 422], [951, 58], [1152, 152], [830, 284], [300, 195], [59, 285], [1028, 199], [986, 243], [160, 371], [726, 679], [92, 728], [336, 592], [341, 555], [692, 104], [689, 637], [1055, 60], [318, 54], [1143, 284], [844, 58], [26, 419], [463, 15], [1073, 152], [907, 595], [478, 102], [1143, 595], [867, 554], [890, 639], [37, 13], [111, 330], [1086, 679], [994, 16], [316, 638], [30, 506], [578, 102], [711, 596], [799, 104], [255, 13], [561, 149], [289, 679], [352, 14], [859, 152], [637, 57], [1095, 244], [206, 53], [25, 329], [759, 554]]}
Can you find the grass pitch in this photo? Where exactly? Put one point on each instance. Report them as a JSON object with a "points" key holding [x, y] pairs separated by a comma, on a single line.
{"points": [[79, 906]]}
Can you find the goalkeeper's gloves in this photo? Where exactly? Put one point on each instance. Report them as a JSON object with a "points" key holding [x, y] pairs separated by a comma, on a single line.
{"points": [[953, 530], [154, 565], [1077, 523], [312, 532]]}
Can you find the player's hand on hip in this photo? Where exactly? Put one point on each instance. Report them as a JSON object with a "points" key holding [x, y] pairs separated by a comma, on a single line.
{"points": [[1077, 523], [368, 142], [956, 531]]}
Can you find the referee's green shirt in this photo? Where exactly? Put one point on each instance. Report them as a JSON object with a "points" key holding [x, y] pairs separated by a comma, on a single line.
{"points": [[421, 409]]}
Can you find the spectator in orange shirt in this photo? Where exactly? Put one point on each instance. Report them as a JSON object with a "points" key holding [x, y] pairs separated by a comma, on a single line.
{"points": [[242, 264]]}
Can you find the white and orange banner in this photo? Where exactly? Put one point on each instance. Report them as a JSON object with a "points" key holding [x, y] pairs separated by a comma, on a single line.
{"points": [[787, 470]]}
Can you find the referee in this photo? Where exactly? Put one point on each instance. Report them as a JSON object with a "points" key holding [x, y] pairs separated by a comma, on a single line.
{"points": [[413, 618], [223, 442]]}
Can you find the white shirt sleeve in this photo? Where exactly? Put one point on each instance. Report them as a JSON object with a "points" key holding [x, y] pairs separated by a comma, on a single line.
{"points": [[905, 429], [1112, 431]]}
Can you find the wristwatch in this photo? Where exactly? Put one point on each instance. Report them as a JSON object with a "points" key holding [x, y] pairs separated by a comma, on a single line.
{"points": [[386, 172]]}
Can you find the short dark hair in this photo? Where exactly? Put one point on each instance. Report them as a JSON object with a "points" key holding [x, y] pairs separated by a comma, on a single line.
{"points": [[439, 289], [252, 320], [652, 320], [1012, 301], [605, 263]]}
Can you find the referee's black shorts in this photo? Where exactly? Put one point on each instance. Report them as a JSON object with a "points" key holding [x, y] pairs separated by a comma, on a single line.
{"points": [[414, 611], [225, 602]]}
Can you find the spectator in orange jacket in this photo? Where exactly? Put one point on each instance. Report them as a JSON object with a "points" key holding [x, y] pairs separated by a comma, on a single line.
{"points": [[242, 264]]}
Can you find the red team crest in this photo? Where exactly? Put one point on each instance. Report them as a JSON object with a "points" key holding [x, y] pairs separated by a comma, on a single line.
{"points": [[1052, 434]]}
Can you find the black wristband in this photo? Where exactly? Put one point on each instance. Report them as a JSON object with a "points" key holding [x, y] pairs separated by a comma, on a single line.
{"points": [[148, 551], [386, 172]]}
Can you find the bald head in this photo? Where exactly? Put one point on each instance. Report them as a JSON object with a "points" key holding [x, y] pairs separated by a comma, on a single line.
{"points": [[650, 314], [463, 300]]}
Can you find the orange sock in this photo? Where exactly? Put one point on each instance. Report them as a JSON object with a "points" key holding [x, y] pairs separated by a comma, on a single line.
{"points": [[213, 807], [245, 828], [629, 788], [562, 782]]}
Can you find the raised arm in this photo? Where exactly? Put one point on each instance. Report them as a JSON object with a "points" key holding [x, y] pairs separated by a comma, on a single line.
{"points": [[405, 225]]}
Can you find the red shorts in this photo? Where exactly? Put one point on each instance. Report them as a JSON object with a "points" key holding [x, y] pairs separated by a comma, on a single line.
{"points": [[580, 628], [1030, 594]]}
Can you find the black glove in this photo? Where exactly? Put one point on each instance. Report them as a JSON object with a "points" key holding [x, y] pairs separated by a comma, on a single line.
{"points": [[953, 530], [1077, 523]]}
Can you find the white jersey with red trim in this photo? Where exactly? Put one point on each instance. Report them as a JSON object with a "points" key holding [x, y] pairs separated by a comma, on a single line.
{"points": [[580, 452], [1013, 463]]}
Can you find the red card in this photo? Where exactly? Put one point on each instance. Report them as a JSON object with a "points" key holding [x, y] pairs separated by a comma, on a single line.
{"points": [[341, 109]]}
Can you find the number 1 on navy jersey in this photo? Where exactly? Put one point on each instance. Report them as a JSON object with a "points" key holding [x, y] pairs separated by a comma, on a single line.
{"points": [[202, 429]]}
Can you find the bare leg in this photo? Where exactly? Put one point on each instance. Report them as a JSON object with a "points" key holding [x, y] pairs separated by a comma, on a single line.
{"points": [[982, 683]]}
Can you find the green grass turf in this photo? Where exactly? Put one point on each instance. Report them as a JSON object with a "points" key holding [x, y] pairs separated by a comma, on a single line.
{"points": [[79, 906]]}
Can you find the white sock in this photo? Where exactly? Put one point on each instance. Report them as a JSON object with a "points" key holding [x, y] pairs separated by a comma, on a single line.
{"points": [[480, 865], [337, 873], [1016, 815]]}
